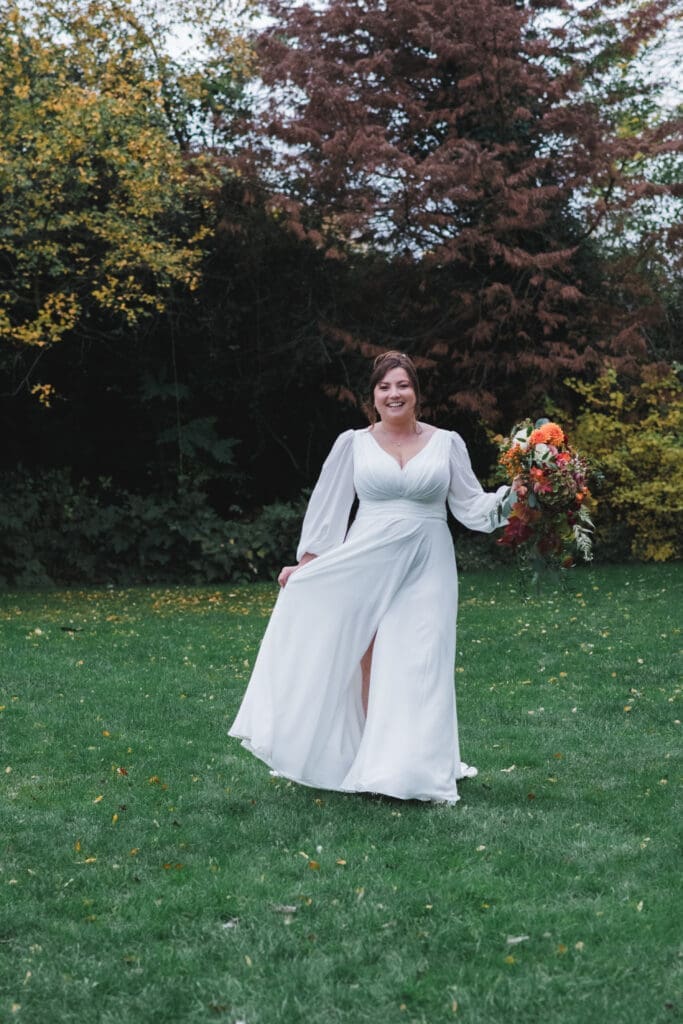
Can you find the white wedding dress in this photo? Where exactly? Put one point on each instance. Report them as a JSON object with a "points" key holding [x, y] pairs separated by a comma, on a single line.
{"points": [[392, 577]]}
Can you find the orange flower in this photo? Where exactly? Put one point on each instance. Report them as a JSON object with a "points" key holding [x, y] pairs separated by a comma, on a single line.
{"points": [[511, 460], [549, 433]]}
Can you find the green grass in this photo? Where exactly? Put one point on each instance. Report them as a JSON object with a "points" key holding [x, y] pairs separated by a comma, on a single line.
{"points": [[195, 887]]}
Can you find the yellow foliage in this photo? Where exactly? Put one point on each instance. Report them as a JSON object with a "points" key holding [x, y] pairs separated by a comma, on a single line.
{"points": [[45, 394], [97, 207], [634, 437]]}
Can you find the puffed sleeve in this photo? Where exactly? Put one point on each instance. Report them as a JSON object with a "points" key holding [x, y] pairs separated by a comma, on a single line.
{"points": [[468, 501], [327, 515]]}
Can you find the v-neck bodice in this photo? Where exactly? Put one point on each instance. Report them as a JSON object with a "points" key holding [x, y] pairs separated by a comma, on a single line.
{"points": [[402, 466], [378, 477]]}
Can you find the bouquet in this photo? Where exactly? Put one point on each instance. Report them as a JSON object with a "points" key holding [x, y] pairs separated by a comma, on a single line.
{"points": [[550, 523]]}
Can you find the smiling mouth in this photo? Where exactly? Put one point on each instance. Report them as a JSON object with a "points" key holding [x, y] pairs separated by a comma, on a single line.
{"points": [[394, 405]]}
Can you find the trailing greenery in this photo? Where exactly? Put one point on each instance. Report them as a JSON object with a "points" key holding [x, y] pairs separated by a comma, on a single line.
{"points": [[154, 873]]}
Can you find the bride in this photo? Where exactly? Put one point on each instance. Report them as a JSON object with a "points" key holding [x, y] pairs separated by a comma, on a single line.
{"points": [[353, 688]]}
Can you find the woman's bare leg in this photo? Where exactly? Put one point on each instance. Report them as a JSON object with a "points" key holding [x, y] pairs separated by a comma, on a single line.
{"points": [[365, 667]]}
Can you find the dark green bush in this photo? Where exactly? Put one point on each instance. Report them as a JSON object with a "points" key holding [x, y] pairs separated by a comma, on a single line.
{"points": [[53, 531]]}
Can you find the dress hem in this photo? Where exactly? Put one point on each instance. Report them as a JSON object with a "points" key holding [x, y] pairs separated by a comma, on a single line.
{"points": [[267, 760]]}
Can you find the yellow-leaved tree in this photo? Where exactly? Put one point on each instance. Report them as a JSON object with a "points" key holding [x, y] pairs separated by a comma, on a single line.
{"points": [[103, 204]]}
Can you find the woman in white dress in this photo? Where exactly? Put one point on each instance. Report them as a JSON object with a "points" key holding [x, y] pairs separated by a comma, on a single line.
{"points": [[353, 687]]}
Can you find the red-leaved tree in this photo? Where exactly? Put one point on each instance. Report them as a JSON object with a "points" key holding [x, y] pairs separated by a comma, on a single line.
{"points": [[464, 156]]}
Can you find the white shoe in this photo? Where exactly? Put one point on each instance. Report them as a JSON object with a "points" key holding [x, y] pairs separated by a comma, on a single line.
{"points": [[468, 771]]}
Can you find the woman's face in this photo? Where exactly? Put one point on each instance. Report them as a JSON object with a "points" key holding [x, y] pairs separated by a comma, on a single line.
{"points": [[394, 397]]}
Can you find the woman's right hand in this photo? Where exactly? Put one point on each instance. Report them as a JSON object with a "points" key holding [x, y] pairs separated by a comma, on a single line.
{"points": [[285, 573], [287, 570]]}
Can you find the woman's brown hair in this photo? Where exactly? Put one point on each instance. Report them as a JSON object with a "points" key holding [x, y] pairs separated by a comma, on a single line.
{"points": [[382, 365]]}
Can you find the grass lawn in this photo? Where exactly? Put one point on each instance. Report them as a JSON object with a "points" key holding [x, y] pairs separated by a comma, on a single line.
{"points": [[152, 871]]}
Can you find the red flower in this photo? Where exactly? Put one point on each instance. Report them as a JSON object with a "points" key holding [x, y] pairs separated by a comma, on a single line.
{"points": [[541, 483]]}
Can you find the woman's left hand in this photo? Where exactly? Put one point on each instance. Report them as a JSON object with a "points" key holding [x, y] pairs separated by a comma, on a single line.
{"points": [[518, 486]]}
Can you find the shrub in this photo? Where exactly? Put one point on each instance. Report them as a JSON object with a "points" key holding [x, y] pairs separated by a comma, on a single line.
{"points": [[633, 437], [55, 532]]}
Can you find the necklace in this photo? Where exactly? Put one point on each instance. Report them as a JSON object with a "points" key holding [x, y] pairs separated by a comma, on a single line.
{"points": [[417, 430]]}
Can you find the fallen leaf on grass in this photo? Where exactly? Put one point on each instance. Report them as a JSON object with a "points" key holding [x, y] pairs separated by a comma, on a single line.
{"points": [[510, 769], [341, 863], [513, 940], [314, 865], [98, 799], [284, 908]]}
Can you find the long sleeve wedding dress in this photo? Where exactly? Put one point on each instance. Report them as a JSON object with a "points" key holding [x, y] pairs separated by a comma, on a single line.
{"points": [[393, 577]]}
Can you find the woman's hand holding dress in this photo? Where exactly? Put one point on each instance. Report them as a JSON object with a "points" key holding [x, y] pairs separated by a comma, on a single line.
{"points": [[287, 570], [285, 573]]}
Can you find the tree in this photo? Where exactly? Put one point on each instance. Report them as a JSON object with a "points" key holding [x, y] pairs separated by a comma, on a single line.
{"points": [[91, 188], [107, 187], [458, 143]]}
